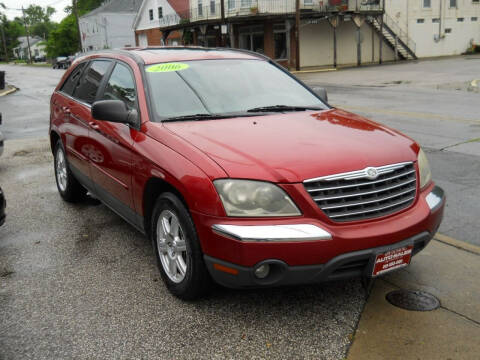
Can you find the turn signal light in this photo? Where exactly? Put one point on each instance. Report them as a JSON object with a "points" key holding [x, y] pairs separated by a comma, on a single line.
{"points": [[226, 269]]}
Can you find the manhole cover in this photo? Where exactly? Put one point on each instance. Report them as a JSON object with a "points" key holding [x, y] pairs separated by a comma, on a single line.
{"points": [[413, 300]]}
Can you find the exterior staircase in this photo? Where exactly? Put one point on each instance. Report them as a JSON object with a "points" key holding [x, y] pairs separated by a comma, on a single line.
{"points": [[394, 36]]}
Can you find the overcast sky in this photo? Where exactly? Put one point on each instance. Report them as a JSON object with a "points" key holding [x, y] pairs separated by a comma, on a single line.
{"points": [[59, 5]]}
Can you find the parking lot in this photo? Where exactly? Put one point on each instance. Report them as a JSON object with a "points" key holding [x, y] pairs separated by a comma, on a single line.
{"points": [[76, 281]]}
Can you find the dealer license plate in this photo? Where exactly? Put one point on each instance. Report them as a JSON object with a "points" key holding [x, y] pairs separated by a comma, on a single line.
{"points": [[392, 260]]}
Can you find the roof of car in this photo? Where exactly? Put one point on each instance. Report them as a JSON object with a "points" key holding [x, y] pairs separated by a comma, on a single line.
{"points": [[152, 55]]}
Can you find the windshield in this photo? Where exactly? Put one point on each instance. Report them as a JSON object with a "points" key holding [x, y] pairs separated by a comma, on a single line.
{"points": [[221, 87]]}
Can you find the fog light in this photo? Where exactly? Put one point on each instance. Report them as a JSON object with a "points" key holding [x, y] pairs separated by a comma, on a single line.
{"points": [[262, 271]]}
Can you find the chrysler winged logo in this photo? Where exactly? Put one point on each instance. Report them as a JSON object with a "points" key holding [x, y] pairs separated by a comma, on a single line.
{"points": [[371, 172]]}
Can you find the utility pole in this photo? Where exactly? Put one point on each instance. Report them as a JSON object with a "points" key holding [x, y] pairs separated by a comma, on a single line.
{"points": [[4, 43], [28, 37], [75, 13], [297, 35], [380, 46], [222, 9]]}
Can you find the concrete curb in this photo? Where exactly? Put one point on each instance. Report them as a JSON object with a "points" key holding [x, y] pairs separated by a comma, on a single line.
{"points": [[313, 71], [462, 245], [8, 91]]}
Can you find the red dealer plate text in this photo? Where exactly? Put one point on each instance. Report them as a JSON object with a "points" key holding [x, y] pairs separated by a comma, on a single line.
{"points": [[392, 260]]}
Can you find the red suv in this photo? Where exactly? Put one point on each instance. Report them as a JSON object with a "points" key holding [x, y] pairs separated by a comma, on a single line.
{"points": [[237, 171]]}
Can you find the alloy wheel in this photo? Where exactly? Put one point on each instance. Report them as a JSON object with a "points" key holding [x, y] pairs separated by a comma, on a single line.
{"points": [[61, 170], [171, 246]]}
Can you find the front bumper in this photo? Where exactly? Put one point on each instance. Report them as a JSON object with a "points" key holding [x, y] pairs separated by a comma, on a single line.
{"points": [[353, 264]]}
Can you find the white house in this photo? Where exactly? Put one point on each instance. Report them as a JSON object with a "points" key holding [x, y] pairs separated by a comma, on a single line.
{"points": [[437, 27], [109, 26], [156, 14], [37, 48]]}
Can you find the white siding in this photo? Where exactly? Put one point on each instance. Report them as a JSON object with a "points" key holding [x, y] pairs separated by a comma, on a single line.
{"points": [[316, 44], [425, 34], [169, 15], [107, 30]]}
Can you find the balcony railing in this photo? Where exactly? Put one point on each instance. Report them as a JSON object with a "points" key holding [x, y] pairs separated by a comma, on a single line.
{"points": [[209, 10]]}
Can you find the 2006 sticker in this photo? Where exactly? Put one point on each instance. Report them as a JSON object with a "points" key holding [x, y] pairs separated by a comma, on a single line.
{"points": [[168, 67]]}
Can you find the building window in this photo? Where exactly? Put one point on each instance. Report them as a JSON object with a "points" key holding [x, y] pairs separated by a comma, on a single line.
{"points": [[308, 2], [427, 3], [200, 8], [150, 14], [453, 3], [448, 30], [212, 6], [160, 12], [460, 19], [476, 1], [474, 18], [435, 20], [251, 38], [246, 3], [231, 4], [420, 21]]}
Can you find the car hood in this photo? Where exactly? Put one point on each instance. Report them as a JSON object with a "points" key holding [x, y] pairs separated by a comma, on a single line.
{"points": [[292, 147]]}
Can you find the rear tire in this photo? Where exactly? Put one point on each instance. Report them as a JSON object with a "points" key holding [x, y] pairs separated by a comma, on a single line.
{"points": [[68, 187], [177, 249]]}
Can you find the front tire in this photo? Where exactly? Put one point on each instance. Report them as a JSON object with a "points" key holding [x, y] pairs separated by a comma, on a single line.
{"points": [[177, 249], [68, 187]]}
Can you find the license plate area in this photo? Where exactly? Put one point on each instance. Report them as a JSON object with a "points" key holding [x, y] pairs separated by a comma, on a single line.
{"points": [[392, 260]]}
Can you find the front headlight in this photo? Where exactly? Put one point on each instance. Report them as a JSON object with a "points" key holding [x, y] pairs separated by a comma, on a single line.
{"points": [[424, 169], [254, 198]]}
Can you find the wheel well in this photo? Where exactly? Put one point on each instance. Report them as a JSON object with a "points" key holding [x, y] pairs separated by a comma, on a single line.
{"points": [[153, 189], [54, 137]]}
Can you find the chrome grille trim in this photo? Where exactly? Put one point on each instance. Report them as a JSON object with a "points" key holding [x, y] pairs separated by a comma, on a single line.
{"points": [[351, 196], [367, 211], [367, 183], [368, 202], [365, 193], [358, 174]]}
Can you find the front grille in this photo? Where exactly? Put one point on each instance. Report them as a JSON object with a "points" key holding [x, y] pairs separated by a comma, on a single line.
{"points": [[353, 196]]}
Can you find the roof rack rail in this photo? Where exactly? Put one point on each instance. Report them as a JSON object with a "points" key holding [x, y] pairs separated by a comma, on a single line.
{"points": [[249, 52]]}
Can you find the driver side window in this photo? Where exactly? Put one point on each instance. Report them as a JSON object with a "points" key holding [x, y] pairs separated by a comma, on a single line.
{"points": [[121, 86]]}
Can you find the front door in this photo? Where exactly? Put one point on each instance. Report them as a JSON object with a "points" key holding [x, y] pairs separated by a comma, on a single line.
{"points": [[111, 160]]}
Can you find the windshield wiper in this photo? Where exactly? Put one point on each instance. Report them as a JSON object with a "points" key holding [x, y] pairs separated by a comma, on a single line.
{"points": [[280, 108], [203, 116], [197, 117]]}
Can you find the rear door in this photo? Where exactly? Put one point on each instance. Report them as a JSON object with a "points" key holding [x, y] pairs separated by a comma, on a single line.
{"points": [[78, 108], [74, 130], [112, 167]]}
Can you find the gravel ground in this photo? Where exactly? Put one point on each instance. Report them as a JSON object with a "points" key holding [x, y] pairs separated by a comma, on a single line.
{"points": [[76, 281]]}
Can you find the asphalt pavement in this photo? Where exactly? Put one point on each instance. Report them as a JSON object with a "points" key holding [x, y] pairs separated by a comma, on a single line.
{"points": [[76, 281]]}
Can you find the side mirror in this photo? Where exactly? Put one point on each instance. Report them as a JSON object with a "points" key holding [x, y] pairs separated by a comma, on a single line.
{"points": [[321, 92], [114, 111]]}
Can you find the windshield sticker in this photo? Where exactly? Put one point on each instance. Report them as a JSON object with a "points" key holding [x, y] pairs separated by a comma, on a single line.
{"points": [[168, 67]]}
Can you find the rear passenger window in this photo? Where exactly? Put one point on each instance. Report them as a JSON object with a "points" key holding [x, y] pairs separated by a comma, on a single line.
{"points": [[121, 86], [87, 89], [69, 85]]}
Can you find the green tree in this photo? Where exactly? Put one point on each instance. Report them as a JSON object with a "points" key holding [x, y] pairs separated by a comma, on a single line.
{"points": [[63, 40], [38, 20], [12, 30]]}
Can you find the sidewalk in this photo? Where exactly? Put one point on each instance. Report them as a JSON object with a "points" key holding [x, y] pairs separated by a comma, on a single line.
{"points": [[450, 332], [8, 90]]}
